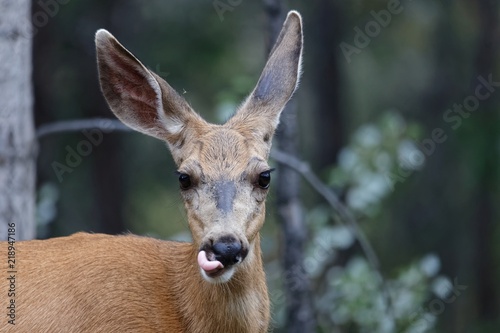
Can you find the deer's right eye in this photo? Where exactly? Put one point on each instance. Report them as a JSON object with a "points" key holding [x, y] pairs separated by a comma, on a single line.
{"points": [[184, 181]]}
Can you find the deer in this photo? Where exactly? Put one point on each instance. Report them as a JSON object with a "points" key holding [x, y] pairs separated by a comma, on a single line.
{"points": [[127, 283]]}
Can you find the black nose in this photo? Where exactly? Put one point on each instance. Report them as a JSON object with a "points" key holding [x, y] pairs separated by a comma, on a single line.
{"points": [[228, 250]]}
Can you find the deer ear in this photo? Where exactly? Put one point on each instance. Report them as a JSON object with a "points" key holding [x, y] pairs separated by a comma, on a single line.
{"points": [[139, 98], [278, 80]]}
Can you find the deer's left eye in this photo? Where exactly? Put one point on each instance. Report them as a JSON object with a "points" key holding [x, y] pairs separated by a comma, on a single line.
{"points": [[264, 179]]}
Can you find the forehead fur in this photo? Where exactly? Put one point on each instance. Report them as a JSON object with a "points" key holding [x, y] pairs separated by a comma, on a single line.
{"points": [[222, 152], [226, 151]]}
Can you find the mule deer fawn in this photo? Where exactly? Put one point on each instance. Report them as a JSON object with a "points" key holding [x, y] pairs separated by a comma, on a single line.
{"points": [[101, 283]]}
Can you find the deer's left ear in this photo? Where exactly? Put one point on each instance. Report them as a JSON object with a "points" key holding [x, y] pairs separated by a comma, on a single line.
{"points": [[277, 83]]}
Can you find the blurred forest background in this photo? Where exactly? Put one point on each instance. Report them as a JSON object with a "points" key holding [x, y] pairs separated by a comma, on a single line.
{"points": [[398, 113]]}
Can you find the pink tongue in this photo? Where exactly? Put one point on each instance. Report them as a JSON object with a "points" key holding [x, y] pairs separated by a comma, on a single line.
{"points": [[207, 265]]}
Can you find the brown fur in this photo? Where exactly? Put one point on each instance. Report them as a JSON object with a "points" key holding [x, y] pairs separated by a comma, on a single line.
{"points": [[101, 283]]}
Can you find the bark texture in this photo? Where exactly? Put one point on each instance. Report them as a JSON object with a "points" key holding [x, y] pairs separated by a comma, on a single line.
{"points": [[17, 139]]}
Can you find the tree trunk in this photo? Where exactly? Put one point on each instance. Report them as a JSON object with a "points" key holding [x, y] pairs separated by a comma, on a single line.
{"points": [[299, 309], [17, 139], [486, 266], [327, 114], [107, 188]]}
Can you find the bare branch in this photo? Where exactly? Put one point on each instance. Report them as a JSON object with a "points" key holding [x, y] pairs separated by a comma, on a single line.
{"points": [[104, 124], [345, 214]]}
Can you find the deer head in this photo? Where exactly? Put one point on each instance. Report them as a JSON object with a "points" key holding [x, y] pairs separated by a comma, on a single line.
{"points": [[223, 172]]}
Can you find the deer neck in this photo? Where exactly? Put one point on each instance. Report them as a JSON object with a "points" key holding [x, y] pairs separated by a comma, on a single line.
{"points": [[241, 304]]}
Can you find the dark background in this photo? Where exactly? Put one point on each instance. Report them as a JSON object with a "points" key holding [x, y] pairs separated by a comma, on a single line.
{"points": [[380, 121]]}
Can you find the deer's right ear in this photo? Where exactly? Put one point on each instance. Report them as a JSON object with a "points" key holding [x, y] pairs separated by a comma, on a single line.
{"points": [[139, 98]]}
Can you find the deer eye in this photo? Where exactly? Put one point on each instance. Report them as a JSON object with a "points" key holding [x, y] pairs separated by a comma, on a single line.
{"points": [[265, 179], [184, 181]]}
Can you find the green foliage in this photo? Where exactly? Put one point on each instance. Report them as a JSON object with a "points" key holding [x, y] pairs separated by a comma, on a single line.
{"points": [[375, 152], [355, 299]]}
